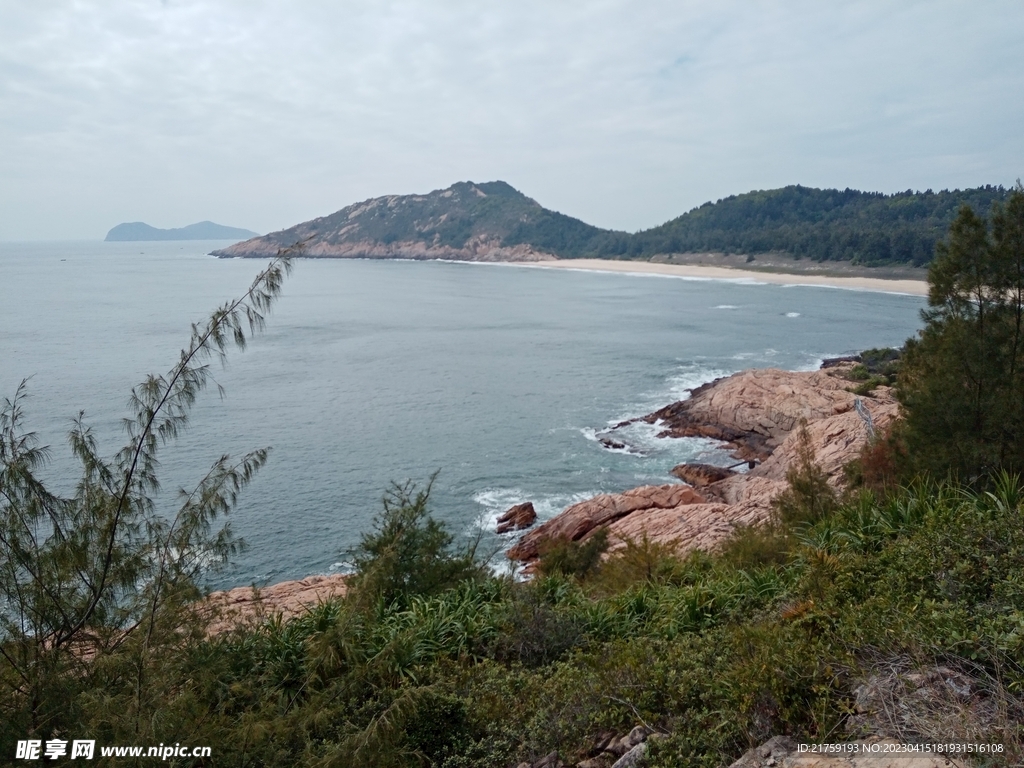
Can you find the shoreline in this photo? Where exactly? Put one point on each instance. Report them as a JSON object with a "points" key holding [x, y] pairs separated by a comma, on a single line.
{"points": [[701, 272]]}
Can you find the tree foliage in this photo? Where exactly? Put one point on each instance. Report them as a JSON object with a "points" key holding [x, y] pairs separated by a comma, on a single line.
{"points": [[408, 553], [107, 569], [962, 381], [867, 228]]}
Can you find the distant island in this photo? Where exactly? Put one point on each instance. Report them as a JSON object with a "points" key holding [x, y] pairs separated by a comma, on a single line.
{"points": [[204, 230], [493, 221]]}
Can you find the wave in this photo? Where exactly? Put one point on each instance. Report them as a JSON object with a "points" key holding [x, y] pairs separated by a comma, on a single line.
{"points": [[496, 501]]}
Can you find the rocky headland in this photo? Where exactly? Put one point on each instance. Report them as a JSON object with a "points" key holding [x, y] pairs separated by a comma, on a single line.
{"points": [[759, 415], [466, 222]]}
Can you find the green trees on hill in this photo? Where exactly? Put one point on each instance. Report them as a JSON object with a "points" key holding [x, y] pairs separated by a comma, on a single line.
{"points": [[962, 381], [819, 224], [865, 228]]}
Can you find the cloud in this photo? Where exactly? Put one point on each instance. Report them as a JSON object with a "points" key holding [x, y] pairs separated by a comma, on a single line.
{"points": [[262, 114]]}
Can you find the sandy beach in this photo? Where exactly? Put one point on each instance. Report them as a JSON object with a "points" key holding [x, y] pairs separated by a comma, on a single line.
{"points": [[911, 287]]}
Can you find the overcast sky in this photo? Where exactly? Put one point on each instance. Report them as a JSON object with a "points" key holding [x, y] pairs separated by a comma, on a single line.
{"points": [[623, 113]]}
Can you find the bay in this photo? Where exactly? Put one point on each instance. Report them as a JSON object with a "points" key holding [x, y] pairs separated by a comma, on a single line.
{"points": [[371, 372]]}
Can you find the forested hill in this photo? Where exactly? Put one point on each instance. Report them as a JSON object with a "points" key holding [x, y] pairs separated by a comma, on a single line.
{"points": [[495, 222], [820, 224]]}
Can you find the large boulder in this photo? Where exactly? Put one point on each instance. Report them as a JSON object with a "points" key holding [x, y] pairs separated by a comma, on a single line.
{"points": [[835, 440], [517, 518]]}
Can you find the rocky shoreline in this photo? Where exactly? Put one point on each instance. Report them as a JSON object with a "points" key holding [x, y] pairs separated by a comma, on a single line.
{"points": [[756, 413]]}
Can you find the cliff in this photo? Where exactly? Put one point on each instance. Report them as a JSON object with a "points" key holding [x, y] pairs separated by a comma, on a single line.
{"points": [[757, 413]]}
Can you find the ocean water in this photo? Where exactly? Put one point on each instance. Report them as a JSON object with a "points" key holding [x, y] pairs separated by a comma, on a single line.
{"points": [[500, 378]]}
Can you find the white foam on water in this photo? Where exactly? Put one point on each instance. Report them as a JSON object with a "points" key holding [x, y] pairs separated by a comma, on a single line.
{"points": [[792, 314], [725, 306], [496, 501], [627, 449], [689, 377]]}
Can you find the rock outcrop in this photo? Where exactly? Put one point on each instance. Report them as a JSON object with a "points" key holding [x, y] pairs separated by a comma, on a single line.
{"points": [[235, 607], [758, 414], [517, 518], [608, 751], [753, 411]]}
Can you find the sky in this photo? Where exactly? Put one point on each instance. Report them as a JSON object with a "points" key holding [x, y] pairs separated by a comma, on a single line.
{"points": [[624, 113]]}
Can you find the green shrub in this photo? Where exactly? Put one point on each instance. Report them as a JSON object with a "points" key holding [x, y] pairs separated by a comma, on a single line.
{"points": [[408, 552], [573, 558]]}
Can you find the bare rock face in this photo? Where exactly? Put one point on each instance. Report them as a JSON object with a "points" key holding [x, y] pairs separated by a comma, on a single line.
{"points": [[580, 520], [476, 249], [289, 599], [517, 518], [755, 410], [835, 439]]}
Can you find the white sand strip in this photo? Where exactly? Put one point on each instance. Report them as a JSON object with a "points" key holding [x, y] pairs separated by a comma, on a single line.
{"points": [[911, 287]]}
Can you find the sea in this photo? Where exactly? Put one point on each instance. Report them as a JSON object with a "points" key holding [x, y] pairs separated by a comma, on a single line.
{"points": [[498, 381]]}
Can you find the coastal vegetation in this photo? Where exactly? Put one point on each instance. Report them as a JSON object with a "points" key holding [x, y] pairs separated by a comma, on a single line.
{"points": [[494, 221], [809, 626]]}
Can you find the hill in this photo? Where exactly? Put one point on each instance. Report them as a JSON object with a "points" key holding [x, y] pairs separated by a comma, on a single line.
{"points": [[495, 222], [203, 230], [466, 221], [820, 224]]}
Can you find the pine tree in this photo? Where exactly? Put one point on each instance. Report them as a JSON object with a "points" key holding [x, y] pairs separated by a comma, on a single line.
{"points": [[961, 384], [104, 579]]}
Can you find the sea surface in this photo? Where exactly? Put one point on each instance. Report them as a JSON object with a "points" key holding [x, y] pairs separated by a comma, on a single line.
{"points": [[499, 378]]}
